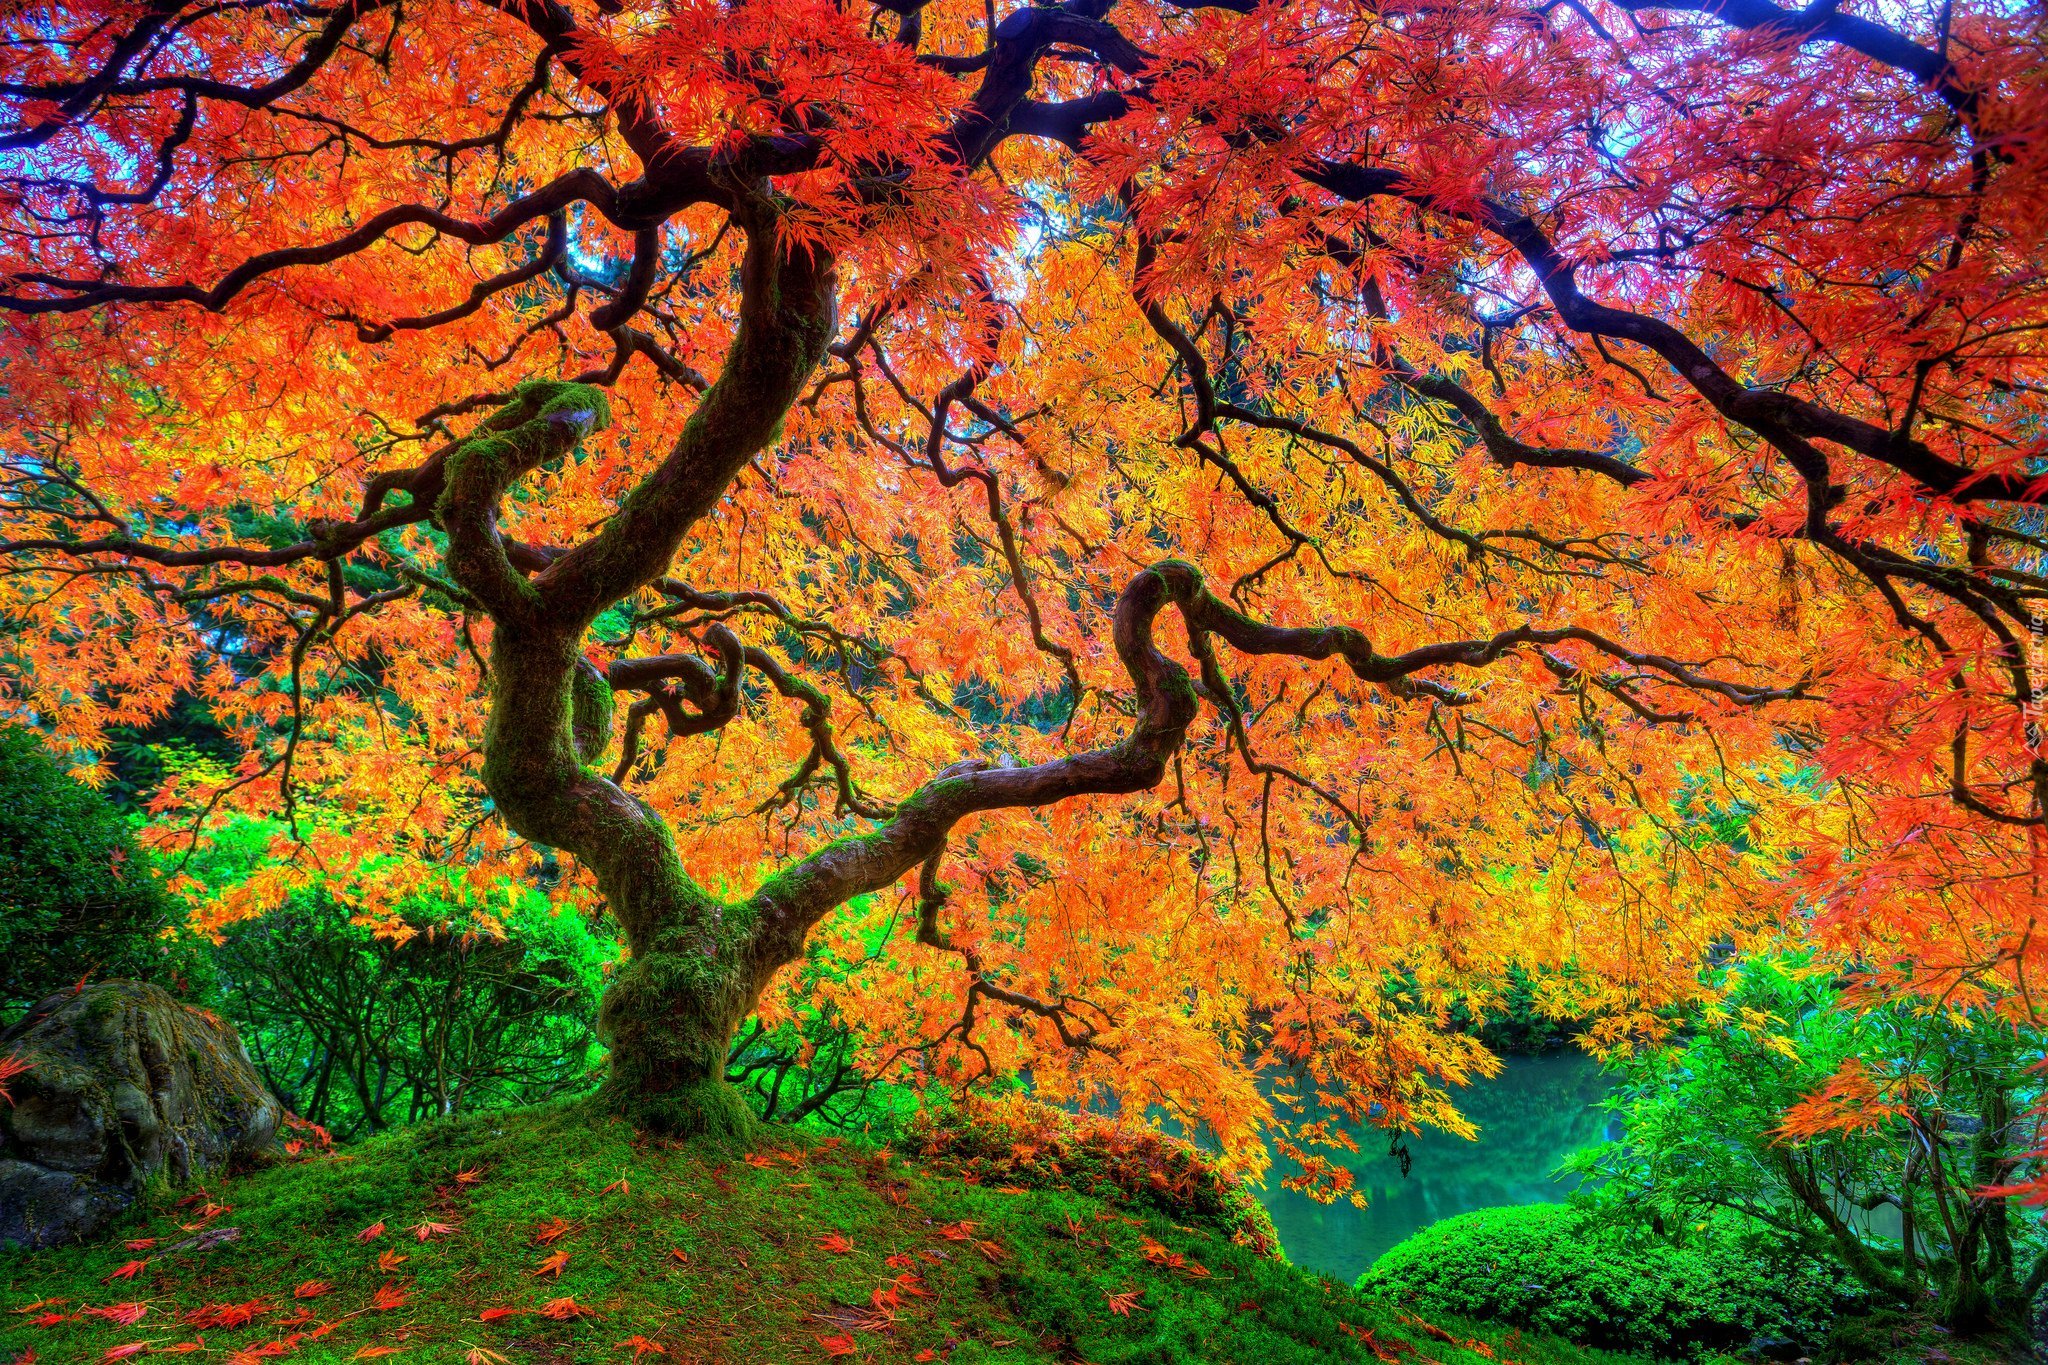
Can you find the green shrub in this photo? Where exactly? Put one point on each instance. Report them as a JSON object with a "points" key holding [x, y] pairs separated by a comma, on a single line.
{"points": [[76, 895], [359, 1033], [1558, 1269]]}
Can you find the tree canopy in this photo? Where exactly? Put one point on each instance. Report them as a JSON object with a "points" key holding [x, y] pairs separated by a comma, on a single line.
{"points": [[1163, 538]]}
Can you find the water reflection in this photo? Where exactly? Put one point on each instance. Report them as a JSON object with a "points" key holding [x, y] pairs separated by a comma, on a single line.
{"points": [[1529, 1117]]}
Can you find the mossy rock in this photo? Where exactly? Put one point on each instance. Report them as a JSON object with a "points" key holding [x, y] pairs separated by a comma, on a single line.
{"points": [[124, 1086]]}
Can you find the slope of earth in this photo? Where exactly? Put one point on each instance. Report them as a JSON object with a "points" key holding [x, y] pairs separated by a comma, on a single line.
{"points": [[547, 1237]]}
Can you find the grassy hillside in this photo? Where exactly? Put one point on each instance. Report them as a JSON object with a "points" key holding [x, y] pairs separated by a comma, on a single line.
{"points": [[543, 1237]]}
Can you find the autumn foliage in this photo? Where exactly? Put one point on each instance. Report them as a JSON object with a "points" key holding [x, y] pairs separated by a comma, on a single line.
{"points": [[1176, 538]]}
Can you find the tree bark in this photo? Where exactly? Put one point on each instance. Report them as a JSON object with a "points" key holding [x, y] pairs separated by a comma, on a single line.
{"points": [[672, 1010]]}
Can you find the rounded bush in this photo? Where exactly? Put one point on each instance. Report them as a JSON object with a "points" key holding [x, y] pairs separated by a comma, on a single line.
{"points": [[1554, 1268]]}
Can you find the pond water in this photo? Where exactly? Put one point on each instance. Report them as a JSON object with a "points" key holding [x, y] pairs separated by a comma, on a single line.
{"points": [[1531, 1115]]}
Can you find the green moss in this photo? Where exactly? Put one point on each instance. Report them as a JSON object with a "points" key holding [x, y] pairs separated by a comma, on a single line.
{"points": [[998, 1276], [591, 704]]}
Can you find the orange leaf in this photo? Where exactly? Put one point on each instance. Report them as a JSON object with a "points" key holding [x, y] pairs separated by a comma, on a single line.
{"points": [[391, 1260], [372, 1232], [497, 1314], [226, 1314], [311, 1289], [839, 1345], [133, 1348], [642, 1346], [552, 1264], [388, 1297], [619, 1186], [471, 1176], [374, 1352], [549, 1231], [562, 1310], [835, 1242]]}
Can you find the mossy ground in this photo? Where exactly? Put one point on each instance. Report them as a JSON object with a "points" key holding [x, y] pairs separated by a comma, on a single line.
{"points": [[711, 1252]]}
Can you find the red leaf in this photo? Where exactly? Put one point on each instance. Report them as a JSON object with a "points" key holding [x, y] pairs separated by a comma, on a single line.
{"points": [[126, 1272], [127, 1314], [839, 1345], [388, 1297], [372, 1232], [311, 1289], [836, 1243]]}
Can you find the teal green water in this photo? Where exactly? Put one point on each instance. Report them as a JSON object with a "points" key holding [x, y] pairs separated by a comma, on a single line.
{"points": [[1531, 1115]]}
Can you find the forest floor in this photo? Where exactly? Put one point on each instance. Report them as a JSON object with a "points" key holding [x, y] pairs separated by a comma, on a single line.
{"points": [[548, 1237]]}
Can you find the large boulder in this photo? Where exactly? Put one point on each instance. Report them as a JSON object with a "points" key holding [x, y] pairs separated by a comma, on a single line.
{"points": [[124, 1085]]}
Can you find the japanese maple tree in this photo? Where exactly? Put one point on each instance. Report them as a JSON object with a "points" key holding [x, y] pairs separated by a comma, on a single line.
{"points": [[1152, 539]]}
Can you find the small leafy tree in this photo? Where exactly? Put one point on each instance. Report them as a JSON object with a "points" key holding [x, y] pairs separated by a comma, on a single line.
{"points": [[1876, 1131], [363, 1025]]}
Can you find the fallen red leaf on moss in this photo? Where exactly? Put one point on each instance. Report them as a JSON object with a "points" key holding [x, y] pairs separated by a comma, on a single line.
{"points": [[127, 1314]]}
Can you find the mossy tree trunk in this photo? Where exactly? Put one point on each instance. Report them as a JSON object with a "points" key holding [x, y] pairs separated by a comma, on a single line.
{"points": [[698, 963], [696, 969]]}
